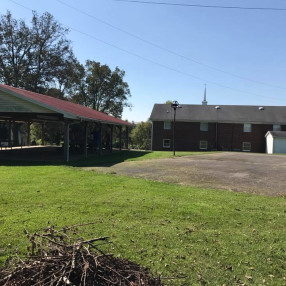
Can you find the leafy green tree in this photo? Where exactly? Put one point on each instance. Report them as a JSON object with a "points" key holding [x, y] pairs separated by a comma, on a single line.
{"points": [[141, 135], [37, 56], [53, 133], [15, 44], [103, 89]]}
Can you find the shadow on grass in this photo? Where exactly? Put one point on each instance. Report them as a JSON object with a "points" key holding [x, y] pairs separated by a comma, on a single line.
{"points": [[108, 160], [53, 158]]}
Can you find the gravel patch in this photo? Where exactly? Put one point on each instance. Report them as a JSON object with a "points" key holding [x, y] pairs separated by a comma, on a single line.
{"points": [[242, 172]]}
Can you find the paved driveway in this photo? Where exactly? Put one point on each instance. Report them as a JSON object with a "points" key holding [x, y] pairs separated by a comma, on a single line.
{"points": [[242, 172]]}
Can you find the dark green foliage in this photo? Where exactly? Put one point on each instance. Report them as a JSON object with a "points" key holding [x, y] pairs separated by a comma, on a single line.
{"points": [[53, 132], [141, 135], [37, 56], [103, 89]]}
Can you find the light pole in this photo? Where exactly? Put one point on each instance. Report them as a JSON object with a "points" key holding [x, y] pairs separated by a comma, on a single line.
{"points": [[216, 127], [174, 105]]}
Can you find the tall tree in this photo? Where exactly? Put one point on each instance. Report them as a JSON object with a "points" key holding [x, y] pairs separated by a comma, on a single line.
{"points": [[141, 135], [38, 56], [103, 89], [16, 42]]}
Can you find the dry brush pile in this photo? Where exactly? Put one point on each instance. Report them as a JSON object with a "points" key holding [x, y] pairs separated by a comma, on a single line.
{"points": [[56, 258]]}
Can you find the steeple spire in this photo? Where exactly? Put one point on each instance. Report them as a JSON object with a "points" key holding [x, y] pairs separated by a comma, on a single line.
{"points": [[204, 102]]}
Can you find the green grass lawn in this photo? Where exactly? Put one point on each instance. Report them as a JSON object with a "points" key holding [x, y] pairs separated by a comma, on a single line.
{"points": [[212, 237]]}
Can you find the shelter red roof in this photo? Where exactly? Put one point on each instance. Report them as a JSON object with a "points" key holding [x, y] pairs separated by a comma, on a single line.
{"points": [[63, 106]]}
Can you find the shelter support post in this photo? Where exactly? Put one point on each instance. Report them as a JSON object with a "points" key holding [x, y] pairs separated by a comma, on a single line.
{"points": [[100, 139], [43, 134], [15, 139], [111, 137], [120, 138], [67, 142], [85, 140], [10, 134], [28, 133], [127, 137]]}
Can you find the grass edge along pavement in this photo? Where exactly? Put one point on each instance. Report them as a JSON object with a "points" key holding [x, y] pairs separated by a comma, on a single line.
{"points": [[213, 237]]}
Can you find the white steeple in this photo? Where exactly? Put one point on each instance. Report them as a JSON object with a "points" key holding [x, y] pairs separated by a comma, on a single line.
{"points": [[204, 102]]}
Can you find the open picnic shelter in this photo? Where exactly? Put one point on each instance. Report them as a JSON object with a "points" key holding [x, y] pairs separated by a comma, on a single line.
{"points": [[22, 106]]}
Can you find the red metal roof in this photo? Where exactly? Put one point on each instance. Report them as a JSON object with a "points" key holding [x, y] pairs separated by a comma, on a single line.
{"points": [[77, 110]]}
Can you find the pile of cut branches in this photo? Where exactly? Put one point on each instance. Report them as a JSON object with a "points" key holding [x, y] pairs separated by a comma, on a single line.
{"points": [[55, 257]]}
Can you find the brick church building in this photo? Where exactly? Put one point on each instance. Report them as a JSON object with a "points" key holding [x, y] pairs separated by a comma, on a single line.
{"points": [[213, 127]]}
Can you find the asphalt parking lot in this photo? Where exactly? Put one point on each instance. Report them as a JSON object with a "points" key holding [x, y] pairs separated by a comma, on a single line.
{"points": [[240, 172]]}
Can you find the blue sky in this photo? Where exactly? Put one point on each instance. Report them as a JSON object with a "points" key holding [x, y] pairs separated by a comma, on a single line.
{"points": [[207, 46]]}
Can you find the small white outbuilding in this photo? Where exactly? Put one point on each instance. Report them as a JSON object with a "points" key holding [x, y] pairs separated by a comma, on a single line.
{"points": [[275, 142]]}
